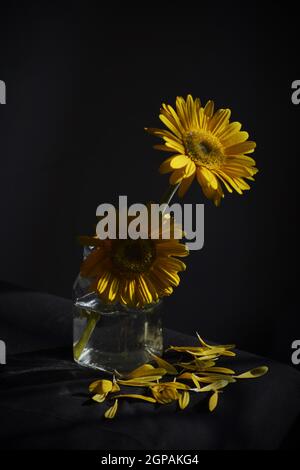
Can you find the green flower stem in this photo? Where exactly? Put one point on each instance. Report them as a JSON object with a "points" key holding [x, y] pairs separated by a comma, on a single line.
{"points": [[92, 321], [169, 194]]}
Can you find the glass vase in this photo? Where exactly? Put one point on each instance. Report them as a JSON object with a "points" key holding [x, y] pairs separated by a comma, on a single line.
{"points": [[113, 338]]}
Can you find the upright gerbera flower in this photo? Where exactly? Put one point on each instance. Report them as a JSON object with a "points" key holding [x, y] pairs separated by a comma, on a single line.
{"points": [[206, 145]]}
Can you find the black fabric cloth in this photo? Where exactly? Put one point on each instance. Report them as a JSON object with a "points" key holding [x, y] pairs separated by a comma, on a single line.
{"points": [[44, 395]]}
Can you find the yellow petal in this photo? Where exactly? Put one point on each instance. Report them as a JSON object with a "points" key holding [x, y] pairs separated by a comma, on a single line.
{"points": [[182, 112], [176, 176], [101, 386], [113, 289], [160, 132], [220, 370], [177, 385], [172, 264], [170, 125], [213, 401], [227, 186], [229, 130], [253, 373], [228, 353], [176, 118], [185, 375], [219, 121], [165, 167], [115, 388], [211, 346], [185, 184], [140, 382], [190, 376], [244, 147], [189, 169], [179, 161], [214, 386], [243, 160], [184, 400], [209, 176], [145, 369], [164, 364], [209, 108], [165, 111], [195, 380], [144, 290], [103, 282], [234, 139], [111, 412], [138, 397], [236, 170], [172, 277], [230, 181], [204, 352], [214, 377], [190, 108], [174, 248], [163, 148], [99, 398], [242, 184], [174, 146], [169, 394], [94, 385]]}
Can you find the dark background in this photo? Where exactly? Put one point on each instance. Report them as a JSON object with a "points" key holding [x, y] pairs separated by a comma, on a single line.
{"points": [[83, 81]]}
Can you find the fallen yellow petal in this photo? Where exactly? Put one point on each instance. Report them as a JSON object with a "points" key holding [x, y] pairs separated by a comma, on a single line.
{"points": [[184, 400], [216, 377], [140, 382], [111, 412], [170, 369], [99, 398], [214, 386], [147, 370], [213, 401], [115, 387], [101, 386], [223, 346], [140, 371], [253, 373], [138, 397], [221, 370]]}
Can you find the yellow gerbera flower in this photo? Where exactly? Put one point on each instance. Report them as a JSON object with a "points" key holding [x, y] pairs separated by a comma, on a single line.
{"points": [[206, 145], [133, 272]]}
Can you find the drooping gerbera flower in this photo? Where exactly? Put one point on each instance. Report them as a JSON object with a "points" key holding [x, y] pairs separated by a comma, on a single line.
{"points": [[206, 146], [134, 272]]}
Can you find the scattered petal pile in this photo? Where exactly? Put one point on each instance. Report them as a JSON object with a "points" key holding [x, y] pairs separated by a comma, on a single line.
{"points": [[193, 371]]}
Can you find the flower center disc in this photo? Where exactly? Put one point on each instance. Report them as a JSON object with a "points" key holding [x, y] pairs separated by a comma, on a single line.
{"points": [[203, 148], [133, 255]]}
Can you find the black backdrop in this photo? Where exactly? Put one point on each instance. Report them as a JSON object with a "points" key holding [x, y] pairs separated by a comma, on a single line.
{"points": [[82, 82]]}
